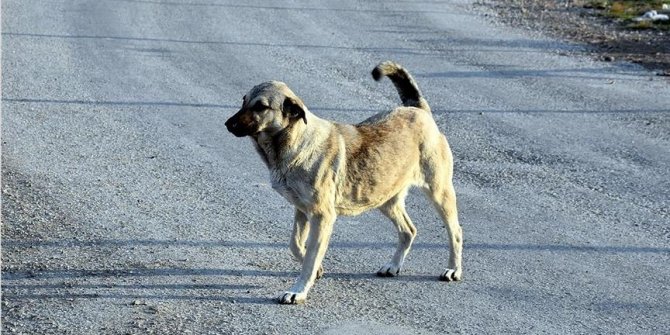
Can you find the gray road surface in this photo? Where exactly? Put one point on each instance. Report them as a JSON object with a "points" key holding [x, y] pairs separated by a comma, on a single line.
{"points": [[128, 209]]}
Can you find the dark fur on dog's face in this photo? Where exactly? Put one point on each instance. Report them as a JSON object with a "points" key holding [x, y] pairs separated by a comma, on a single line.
{"points": [[268, 108]]}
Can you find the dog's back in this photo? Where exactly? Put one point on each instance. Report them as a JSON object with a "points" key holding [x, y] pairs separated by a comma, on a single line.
{"points": [[386, 152]]}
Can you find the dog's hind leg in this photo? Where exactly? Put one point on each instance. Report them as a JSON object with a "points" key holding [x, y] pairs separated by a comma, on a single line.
{"points": [[394, 209], [298, 238], [444, 199], [437, 169]]}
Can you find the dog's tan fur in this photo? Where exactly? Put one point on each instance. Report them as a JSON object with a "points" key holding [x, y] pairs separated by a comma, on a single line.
{"points": [[326, 169]]}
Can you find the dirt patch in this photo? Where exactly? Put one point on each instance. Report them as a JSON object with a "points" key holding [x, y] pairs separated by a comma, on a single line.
{"points": [[610, 38]]}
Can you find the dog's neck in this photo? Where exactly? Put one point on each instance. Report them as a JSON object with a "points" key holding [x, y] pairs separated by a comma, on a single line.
{"points": [[282, 150], [269, 147]]}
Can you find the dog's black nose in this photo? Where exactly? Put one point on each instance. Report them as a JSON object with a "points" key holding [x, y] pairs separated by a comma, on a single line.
{"points": [[231, 124]]}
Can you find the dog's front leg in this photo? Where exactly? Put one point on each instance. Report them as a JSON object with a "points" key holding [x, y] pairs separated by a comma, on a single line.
{"points": [[320, 229], [298, 238], [300, 230]]}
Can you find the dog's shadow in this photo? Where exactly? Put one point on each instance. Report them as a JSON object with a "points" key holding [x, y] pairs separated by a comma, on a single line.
{"points": [[373, 276], [112, 284]]}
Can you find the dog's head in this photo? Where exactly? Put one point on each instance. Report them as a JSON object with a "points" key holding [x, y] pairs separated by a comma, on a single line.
{"points": [[268, 108]]}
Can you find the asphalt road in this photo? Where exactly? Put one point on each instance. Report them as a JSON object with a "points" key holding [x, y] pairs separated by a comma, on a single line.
{"points": [[128, 209]]}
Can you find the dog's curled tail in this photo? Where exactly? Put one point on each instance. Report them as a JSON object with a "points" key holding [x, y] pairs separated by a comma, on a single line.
{"points": [[407, 88]]}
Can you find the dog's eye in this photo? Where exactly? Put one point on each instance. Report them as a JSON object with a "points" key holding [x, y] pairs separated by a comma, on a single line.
{"points": [[258, 107]]}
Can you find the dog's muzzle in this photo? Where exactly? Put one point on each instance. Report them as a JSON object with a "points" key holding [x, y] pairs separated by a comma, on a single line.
{"points": [[233, 126]]}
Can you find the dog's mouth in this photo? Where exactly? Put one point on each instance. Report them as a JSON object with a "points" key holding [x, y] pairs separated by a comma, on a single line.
{"points": [[237, 132]]}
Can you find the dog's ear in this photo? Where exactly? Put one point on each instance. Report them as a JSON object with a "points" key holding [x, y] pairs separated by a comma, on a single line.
{"points": [[293, 107]]}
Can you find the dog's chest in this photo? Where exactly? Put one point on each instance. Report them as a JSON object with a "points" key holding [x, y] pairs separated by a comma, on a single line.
{"points": [[291, 187]]}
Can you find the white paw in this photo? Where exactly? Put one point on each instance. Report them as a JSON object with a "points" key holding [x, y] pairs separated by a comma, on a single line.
{"points": [[292, 298], [389, 270], [451, 275]]}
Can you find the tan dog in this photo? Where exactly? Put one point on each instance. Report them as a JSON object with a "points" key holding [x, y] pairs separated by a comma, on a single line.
{"points": [[326, 169]]}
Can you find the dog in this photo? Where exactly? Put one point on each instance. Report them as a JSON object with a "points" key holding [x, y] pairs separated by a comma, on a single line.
{"points": [[326, 169]]}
